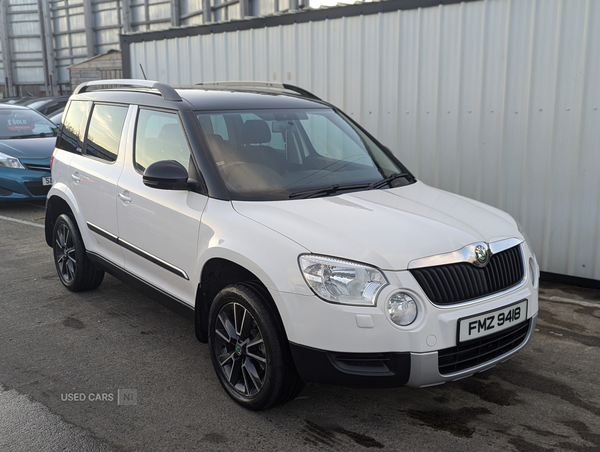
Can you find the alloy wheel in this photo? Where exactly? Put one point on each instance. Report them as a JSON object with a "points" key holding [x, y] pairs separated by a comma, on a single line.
{"points": [[240, 349], [65, 253]]}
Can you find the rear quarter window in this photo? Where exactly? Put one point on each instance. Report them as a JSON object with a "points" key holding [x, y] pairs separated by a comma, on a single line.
{"points": [[104, 133], [73, 128]]}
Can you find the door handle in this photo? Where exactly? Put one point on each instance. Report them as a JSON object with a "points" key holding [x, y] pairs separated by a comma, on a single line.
{"points": [[125, 198], [76, 177]]}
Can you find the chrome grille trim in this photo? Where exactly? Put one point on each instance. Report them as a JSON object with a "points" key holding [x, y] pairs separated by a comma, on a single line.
{"points": [[465, 254], [460, 283], [37, 167]]}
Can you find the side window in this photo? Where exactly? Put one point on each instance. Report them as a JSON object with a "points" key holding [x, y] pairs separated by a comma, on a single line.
{"points": [[104, 133], [73, 126], [159, 136]]}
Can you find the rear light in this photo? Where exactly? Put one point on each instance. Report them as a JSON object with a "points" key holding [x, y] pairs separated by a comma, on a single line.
{"points": [[52, 158]]}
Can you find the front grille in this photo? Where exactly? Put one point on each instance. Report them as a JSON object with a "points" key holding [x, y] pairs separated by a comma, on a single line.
{"points": [[37, 189], [472, 353], [461, 282], [38, 167]]}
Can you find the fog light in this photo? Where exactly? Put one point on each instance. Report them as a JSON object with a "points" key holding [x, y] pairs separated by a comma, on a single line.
{"points": [[402, 309]]}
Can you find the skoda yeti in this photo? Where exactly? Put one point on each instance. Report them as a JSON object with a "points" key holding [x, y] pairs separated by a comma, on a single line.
{"points": [[301, 247]]}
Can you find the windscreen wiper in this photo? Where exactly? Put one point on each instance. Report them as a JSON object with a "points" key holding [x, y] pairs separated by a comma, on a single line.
{"points": [[37, 135], [327, 191], [388, 179]]}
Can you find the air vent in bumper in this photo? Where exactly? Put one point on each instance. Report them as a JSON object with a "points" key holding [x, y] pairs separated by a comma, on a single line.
{"points": [[473, 353]]}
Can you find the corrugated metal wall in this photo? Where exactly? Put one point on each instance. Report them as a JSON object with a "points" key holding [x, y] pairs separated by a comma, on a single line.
{"points": [[20, 26], [45, 37], [497, 100]]}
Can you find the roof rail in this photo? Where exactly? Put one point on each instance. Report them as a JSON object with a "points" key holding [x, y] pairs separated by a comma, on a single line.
{"points": [[166, 91], [286, 86]]}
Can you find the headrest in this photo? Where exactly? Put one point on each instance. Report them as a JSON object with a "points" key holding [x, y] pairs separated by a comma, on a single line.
{"points": [[214, 139], [255, 131], [170, 132]]}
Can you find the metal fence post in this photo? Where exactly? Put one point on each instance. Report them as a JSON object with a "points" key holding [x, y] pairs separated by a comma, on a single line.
{"points": [[175, 20], [206, 11], [126, 16], [9, 87], [90, 38], [244, 8], [50, 71]]}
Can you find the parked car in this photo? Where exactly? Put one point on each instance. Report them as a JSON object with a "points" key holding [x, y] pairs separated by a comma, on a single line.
{"points": [[56, 117], [13, 100], [27, 141], [45, 105], [301, 247]]}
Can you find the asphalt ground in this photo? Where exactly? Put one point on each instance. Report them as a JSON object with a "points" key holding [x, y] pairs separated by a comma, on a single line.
{"points": [[110, 369]]}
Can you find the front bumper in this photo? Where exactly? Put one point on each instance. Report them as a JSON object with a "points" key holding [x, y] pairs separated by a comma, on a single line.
{"points": [[22, 184], [392, 369]]}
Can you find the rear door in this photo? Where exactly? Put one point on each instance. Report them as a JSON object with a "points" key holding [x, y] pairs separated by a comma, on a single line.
{"points": [[158, 229], [94, 172]]}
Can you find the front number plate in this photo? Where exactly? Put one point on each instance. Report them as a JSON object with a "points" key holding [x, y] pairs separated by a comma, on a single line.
{"points": [[46, 181], [491, 322]]}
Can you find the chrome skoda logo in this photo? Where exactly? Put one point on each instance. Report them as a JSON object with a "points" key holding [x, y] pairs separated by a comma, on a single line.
{"points": [[481, 254]]}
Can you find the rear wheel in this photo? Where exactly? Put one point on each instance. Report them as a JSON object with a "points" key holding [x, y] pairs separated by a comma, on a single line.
{"points": [[249, 353], [74, 269]]}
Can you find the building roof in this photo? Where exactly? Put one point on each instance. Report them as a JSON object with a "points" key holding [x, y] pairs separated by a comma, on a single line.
{"points": [[102, 56]]}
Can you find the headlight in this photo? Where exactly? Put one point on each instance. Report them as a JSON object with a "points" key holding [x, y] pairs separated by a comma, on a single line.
{"points": [[10, 162], [341, 281]]}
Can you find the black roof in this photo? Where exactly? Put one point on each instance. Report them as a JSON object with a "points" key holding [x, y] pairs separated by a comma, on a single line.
{"points": [[243, 99]]}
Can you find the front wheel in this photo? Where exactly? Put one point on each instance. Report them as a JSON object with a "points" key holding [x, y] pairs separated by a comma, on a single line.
{"points": [[74, 269], [249, 353]]}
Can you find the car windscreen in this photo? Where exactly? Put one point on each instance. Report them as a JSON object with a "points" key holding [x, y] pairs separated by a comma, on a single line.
{"points": [[24, 123], [287, 154]]}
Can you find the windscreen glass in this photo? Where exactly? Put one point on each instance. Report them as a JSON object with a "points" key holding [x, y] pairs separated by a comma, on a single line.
{"points": [[287, 154], [24, 123]]}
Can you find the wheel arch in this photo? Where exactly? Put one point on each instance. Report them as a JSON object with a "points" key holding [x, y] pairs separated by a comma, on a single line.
{"points": [[218, 273], [55, 206]]}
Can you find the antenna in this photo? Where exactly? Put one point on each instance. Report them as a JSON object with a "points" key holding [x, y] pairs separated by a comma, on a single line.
{"points": [[143, 73]]}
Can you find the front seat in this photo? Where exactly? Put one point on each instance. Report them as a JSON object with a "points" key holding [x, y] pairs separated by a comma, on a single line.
{"points": [[254, 134]]}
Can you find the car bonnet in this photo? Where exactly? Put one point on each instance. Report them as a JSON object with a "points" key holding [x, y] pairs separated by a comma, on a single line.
{"points": [[386, 228], [32, 148]]}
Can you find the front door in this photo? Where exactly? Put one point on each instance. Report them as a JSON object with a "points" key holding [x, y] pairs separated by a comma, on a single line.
{"points": [[158, 229]]}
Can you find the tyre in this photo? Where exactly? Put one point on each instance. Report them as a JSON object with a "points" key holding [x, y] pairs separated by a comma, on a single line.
{"points": [[248, 350], [74, 269]]}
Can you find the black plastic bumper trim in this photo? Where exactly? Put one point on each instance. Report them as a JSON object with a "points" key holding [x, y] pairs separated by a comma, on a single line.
{"points": [[375, 370]]}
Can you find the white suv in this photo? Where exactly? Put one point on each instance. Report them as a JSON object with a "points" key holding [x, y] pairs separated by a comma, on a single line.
{"points": [[301, 247]]}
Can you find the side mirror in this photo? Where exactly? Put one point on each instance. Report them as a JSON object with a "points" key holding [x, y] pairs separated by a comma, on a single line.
{"points": [[166, 175]]}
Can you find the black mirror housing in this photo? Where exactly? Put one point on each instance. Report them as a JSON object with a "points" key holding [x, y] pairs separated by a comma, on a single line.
{"points": [[166, 175]]}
